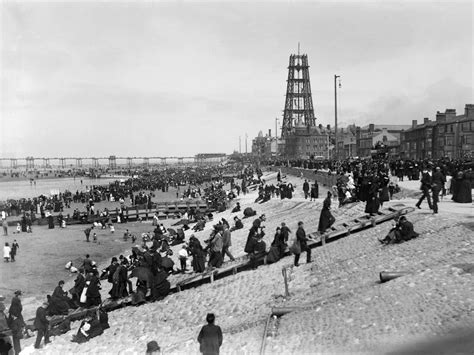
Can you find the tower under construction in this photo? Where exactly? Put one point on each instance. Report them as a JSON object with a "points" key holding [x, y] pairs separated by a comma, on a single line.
{"points": [[302, 139], [299, 102]]}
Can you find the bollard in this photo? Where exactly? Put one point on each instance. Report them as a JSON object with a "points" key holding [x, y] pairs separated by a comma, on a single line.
{"points": [[390, 275]]}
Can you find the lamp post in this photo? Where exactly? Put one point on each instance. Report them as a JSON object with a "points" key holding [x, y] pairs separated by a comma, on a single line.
{"points": [[335, 114]]}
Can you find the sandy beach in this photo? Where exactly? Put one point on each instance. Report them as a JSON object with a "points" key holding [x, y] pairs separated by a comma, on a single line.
{"points": [[346, 309]]}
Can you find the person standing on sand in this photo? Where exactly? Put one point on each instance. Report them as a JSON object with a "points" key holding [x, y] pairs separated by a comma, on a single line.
{"points": [[306, 189], [210, 337], [87, 264], [302, 239], [16, 321], [5, 226], [42, 325], [87, 232], [227, 243], [14, 249], [6, 253]]}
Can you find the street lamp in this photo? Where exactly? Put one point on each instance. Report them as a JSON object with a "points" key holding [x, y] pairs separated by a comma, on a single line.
{"points": [[335, 113]]}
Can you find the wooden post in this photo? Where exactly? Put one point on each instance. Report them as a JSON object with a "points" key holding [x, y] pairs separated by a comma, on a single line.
{"points": [[285, 278]]}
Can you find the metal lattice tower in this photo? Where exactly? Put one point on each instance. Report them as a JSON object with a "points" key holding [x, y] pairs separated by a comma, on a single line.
{"points": [[299, 102]]}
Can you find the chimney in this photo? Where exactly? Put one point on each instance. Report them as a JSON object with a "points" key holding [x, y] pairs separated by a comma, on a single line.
{"points": [[440, 117], [371, 127], [450, 113], [426, 120], [269, 132], [414, 123], [469, 110]]}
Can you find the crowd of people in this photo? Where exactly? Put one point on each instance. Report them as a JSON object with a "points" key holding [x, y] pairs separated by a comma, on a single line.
{"points": [[367, 181]]}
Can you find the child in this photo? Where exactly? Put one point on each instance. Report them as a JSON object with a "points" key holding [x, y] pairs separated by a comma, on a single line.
{"points": [[183, 256], [18, 228], [112, 228], [94, 238]]}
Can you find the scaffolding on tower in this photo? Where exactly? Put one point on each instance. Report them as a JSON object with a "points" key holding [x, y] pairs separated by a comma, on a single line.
{"points": [[299, 103]]}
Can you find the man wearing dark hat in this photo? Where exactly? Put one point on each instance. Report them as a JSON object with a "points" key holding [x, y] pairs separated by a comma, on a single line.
{"points": [[302, 239], [15, 321], [425, 188]]}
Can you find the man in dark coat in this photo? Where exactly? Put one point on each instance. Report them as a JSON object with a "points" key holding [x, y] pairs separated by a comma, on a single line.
{"points": [[13, 250], [210, 337], [306, 189], [302, 239], [110, 271], [15, 321], [42, 325], [425, 188], [437, 185], [285, 232], [87, 264]]}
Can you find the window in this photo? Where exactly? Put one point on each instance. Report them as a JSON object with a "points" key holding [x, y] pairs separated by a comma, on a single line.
{"points": [[441, 129]]}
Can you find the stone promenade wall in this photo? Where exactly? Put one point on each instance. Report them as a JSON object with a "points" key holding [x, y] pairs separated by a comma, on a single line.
{"points": [[321, 176]]}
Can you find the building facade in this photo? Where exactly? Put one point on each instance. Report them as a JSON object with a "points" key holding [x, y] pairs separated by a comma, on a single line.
{"points": [[369, 136], [450, 136], [308, 143], [346, 142]]}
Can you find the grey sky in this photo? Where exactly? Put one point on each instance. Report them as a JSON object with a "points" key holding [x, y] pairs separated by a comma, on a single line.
{"points": [[179, 78]]}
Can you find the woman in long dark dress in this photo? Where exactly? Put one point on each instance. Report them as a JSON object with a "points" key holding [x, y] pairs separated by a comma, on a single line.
{"points": [[462, 189], [372, 205], [326, 219], [59, 302], [50, 221], [198, 254]]}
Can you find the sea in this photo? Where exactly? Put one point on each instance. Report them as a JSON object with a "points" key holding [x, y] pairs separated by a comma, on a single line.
{"points": [[27, 189]]}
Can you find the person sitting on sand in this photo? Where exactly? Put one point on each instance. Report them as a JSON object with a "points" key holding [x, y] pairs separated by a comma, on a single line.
{"points": [[237, 224], [401, 232], [236, 208], [249, 212], [60, 302]]}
